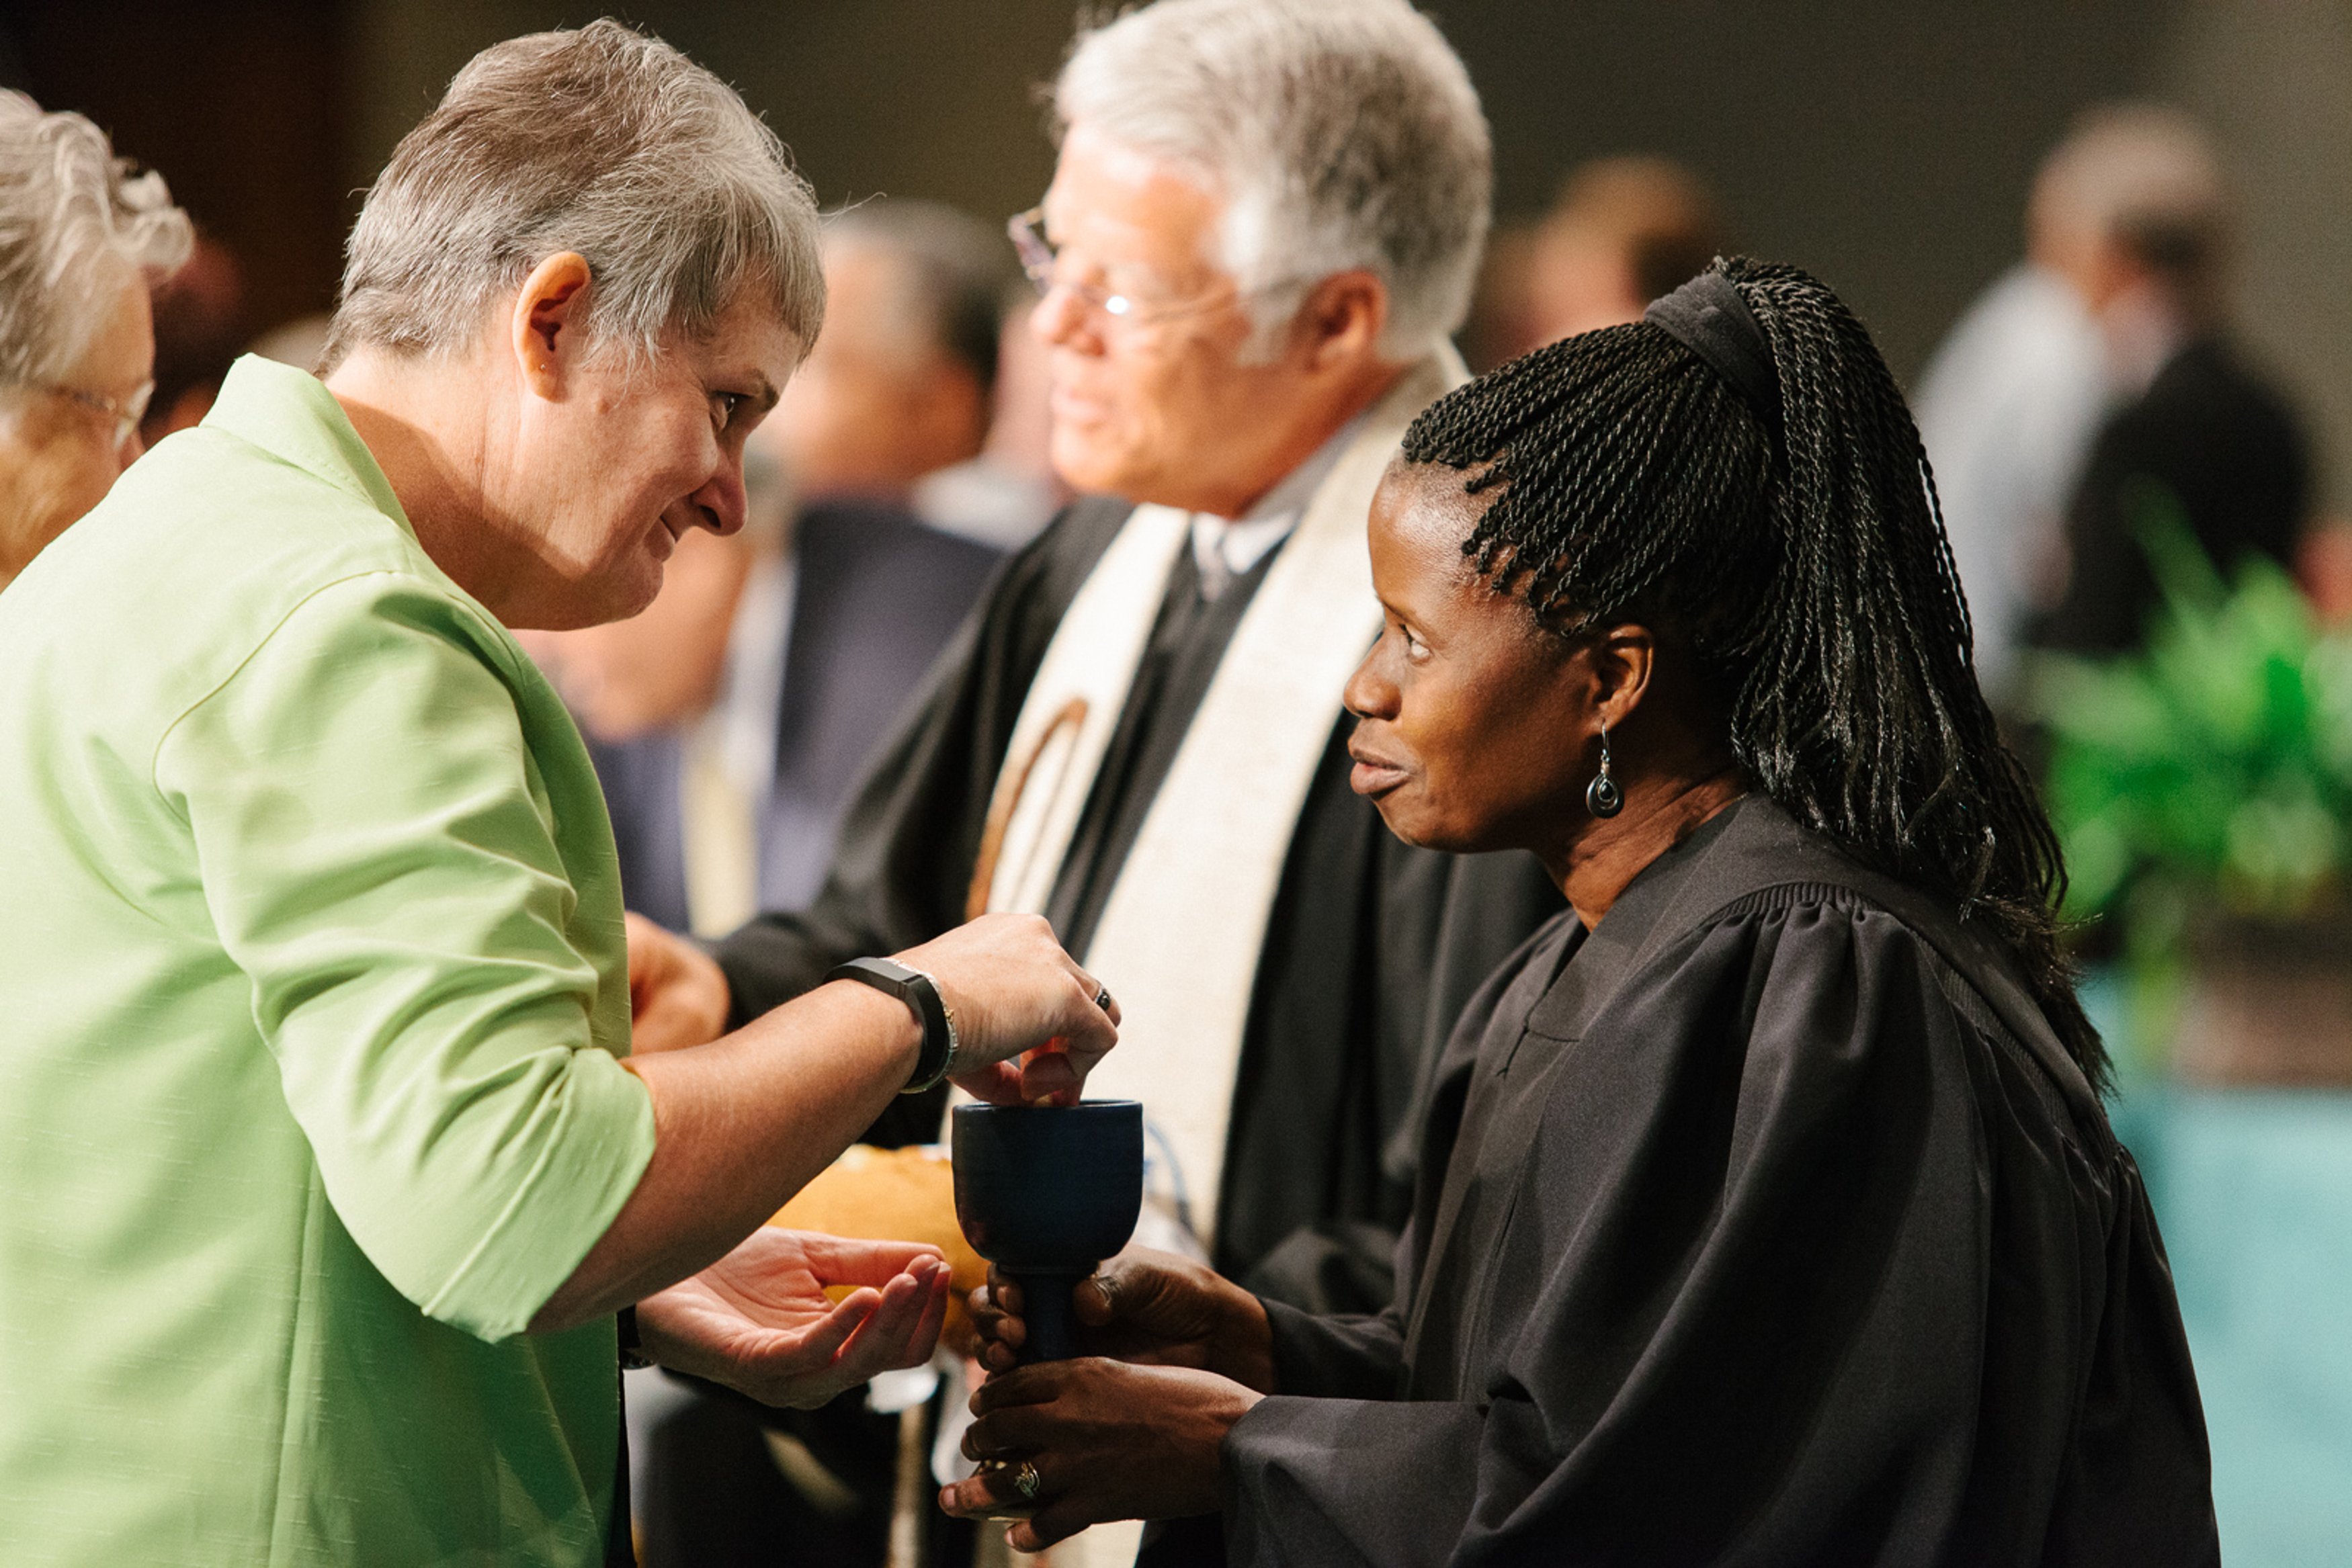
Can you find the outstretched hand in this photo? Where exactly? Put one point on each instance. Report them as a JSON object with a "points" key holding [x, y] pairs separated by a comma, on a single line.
{"points": [[759, 1319]]}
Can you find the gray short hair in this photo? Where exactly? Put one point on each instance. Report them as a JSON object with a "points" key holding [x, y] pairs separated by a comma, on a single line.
{"points": [[67, 201], [600, 140], [1341, 133]]}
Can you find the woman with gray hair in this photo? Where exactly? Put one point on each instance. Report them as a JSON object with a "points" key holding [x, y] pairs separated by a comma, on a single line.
{"points": [[81, 233], [327, 1178]]}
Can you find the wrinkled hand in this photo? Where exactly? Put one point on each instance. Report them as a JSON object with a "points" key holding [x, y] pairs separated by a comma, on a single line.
{"points": [[1015, 993], [1153, 1308], [1107, 1440], [758, 1320], [678, 996]]}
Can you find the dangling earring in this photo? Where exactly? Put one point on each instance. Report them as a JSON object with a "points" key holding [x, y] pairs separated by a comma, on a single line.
{"points": [[1602, 796]]}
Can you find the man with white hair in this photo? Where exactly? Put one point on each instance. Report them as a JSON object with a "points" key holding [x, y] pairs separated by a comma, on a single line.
{"points": [[2126, 230], [2199, 442], [332, 1202], [1264, 222], [81, 237]]}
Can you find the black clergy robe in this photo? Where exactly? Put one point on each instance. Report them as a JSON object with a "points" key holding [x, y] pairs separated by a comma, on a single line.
{"points": [[1768, 1224], [1371, 949]]}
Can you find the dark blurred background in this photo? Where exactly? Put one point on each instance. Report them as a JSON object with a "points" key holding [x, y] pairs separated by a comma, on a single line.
{"points": [[1886, 148]]}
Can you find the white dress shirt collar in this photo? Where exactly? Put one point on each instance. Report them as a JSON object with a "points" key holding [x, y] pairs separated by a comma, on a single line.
{"points": [[1227, 548]]}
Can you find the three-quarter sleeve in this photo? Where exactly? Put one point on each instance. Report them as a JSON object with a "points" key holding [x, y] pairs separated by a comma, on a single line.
{"points": [[379, 856]]}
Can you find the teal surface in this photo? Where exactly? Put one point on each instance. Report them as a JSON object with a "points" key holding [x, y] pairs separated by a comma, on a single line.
{"points": [[2253, 1193]]}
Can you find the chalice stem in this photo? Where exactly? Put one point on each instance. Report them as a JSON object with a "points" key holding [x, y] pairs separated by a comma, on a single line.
{"points": [[1046, 1312]]}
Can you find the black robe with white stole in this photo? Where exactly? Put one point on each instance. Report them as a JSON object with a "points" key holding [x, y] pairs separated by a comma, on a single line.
{"points": [[1767, 1224]]}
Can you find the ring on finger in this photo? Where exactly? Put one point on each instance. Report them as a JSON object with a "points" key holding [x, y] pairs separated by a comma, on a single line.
{"points": [[1026, 1481], [1102, 997]]}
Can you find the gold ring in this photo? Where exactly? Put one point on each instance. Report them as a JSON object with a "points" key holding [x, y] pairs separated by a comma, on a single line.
{"points": [[1026, 1481]]}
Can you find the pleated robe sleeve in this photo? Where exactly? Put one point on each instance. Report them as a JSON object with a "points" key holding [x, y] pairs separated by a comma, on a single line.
{"points": [[1808, 1263]]}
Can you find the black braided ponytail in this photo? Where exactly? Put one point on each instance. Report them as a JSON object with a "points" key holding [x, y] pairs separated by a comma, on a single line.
{"points": [[1806, 565]]}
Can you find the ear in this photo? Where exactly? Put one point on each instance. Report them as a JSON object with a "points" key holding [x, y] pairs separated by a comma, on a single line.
{"points": [[1624, 660], [545, 330], [1342, 318]]}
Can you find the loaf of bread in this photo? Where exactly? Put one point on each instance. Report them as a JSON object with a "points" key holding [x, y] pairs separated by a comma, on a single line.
{"points": [[893, 1194]]}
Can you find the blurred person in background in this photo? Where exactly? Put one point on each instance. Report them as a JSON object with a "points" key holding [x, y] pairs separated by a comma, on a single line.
{"points": [[1008, 493], [334, 1188], [923, 393], [2006, 409], [82, 238], [2197, 438], [1622, 232], [1263, 222], [902, 388], [2097, 365], [1495, 331]]}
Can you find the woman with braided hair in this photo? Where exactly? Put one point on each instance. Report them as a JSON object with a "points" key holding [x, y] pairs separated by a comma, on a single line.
{"points": [[1768, 1213]]}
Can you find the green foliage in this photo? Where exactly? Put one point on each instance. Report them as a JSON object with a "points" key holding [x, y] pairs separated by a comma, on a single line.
{"points": [[2211, 773]]}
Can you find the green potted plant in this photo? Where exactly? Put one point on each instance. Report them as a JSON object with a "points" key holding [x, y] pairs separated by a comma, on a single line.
{"points": [[2202, 790]]}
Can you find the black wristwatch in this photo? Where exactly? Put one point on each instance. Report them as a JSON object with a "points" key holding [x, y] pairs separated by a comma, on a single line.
{"points": [[921, 994]]}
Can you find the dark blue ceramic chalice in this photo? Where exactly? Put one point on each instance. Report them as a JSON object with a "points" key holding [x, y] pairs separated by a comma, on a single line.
{"points": [[1046, 1193]]}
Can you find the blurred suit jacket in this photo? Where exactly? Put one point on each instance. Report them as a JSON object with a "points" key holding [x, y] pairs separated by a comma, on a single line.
{"points": [[876, 596], [2211, 446]]}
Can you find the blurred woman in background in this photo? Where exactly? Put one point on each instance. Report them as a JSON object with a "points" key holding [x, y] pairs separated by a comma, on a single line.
{"points": [[81, 237]]}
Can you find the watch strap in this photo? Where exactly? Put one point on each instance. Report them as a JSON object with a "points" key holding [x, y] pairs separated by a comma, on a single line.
{"points": [[921, 995]]}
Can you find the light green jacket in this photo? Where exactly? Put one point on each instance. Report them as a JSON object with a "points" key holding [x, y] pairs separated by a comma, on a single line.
{"points": [[312, 986]]}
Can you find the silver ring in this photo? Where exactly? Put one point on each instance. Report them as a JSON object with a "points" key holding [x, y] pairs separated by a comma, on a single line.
{"points": [[1026, 1481], [1102, 997]]}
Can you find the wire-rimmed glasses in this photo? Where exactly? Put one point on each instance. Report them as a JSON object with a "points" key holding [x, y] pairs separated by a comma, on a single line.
{"points": [[1039, 260]]}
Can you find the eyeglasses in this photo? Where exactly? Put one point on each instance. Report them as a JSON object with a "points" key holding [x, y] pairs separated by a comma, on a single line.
{"points": [[1039, 260], [125, 411]]}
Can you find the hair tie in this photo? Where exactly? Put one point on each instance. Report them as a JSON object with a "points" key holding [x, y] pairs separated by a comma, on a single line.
{"points": [[1709, 316]]}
